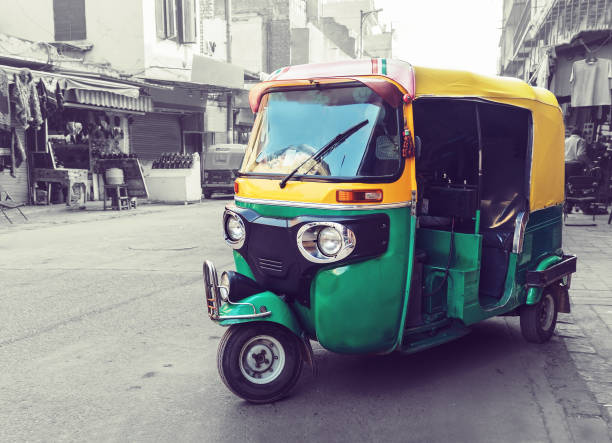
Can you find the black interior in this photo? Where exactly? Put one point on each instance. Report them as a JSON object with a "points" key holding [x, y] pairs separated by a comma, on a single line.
{"points": [[452, 131]]}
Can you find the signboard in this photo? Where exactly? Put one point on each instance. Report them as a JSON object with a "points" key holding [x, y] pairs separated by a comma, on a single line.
{"points": [[207, 71]]}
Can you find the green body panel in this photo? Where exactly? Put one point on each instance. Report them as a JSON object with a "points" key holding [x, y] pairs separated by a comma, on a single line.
{"points": [[459, 297], [543, 238], [534, 294], [359, 307], [408, 285], [281, 313], [419, 339]]}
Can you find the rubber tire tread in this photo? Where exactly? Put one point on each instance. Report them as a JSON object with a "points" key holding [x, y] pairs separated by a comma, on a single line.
{"points": [[237, 335], [530, 323]]}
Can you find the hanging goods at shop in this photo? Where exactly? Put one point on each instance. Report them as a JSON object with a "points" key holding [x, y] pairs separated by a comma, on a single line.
{"points": [[5, 105], [25, 97], [590, 82]]}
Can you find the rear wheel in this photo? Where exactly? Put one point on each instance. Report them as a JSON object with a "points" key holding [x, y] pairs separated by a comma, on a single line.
{"points": [[207, 194], [538, 321], [260, 362]]}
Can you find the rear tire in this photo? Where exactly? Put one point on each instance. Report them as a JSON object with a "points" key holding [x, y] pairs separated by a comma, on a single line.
{"points": [[208, 194], [260, 362], [538, 321]]}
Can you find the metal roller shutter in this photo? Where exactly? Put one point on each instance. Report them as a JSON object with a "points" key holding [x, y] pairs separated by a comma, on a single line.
{"points": [[153, 134]]}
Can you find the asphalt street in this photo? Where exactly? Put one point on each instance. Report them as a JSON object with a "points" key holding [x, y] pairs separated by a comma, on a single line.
{"points": [[104, 337]]}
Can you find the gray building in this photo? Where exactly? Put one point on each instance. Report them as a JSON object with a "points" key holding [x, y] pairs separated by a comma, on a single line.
{"points": [[564, 46]]}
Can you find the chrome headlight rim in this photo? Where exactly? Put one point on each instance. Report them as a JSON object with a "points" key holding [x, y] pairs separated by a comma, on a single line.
{"points": [[234, 243], [307, 242]]}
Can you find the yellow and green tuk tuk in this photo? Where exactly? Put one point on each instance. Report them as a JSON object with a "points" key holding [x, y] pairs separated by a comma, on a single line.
{"points": [[383, 207]]}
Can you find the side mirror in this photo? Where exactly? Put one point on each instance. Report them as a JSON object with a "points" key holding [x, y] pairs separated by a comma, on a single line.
{"points": [[417, 147]]}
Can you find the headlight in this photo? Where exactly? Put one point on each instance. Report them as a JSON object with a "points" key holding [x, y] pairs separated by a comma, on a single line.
{"points": [[224, 287], [234, 287], [325, 242], [235, 231], [329, 241], [235, 228]]}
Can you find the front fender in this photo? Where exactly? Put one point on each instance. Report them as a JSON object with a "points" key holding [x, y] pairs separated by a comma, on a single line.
{"points": [[281, 313]]}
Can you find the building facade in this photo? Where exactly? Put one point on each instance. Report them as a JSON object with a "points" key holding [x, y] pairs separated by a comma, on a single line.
{"points": [[377, 38], [147, 41], [566, 47]]}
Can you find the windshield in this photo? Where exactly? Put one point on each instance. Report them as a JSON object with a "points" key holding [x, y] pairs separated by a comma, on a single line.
{"points": [[297, 124]]}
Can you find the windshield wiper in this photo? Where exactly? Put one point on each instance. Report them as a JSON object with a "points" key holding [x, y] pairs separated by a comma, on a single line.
{"points": [[337, 140]]}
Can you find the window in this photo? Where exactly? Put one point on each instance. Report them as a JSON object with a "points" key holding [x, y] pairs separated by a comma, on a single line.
{"points": [[176, 20], [69, 20], [297, 123], [187, 21], [165, 17]]}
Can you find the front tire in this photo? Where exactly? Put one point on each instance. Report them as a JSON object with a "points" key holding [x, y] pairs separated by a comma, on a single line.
{"points": [[260, 362], [538, 321]]}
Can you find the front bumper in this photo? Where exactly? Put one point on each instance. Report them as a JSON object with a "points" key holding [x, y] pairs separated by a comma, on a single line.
{"points": [[214, 301]]}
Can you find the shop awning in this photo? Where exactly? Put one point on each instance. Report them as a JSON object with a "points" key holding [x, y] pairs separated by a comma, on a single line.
{"points": [[107, 99], [95, 92], [93, 85]]}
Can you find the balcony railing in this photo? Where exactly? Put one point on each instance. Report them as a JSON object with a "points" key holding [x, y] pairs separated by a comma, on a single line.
{"points": [[567, 18]]}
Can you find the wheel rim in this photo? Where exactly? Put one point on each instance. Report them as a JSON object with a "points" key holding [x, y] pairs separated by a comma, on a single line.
{"points": [[547, 312], [262, 359]]}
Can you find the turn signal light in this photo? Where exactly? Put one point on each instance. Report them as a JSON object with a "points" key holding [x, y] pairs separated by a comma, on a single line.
{"points": [[359, 196], [236, 187]]}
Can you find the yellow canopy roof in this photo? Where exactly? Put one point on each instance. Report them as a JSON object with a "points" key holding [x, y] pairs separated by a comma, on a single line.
{"points": [[452, 83], [548, 154]]}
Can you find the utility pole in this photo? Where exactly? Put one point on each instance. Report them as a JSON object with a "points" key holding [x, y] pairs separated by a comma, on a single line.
{"points": [[228, 51], [362, 16]]}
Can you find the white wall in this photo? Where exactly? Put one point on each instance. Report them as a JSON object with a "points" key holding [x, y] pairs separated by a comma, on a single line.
{"points": [[27, 19], [122, 33], [115, 27], [214, 31], [248, 42], [323, 49]]}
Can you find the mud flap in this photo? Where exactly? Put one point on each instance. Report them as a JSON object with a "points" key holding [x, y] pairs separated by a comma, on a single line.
{"points": [[308, 355], [563, 301]]}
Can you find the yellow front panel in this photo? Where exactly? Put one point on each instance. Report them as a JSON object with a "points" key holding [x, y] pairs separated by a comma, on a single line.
{"points": [[315, 192]]}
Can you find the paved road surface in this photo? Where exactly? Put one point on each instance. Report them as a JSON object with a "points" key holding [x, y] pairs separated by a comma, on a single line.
{"points": [[104, 336]]}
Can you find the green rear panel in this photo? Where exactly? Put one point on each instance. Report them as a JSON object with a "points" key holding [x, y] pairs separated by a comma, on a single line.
{"points": [[356, 308], [543, 237]]}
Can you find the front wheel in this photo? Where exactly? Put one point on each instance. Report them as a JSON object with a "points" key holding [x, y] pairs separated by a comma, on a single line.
{"points": [[538, 321], [260, 362]]}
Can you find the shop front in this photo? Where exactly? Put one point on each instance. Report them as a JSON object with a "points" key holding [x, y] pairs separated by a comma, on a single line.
{"points": [[581, 80], [63, 129]]}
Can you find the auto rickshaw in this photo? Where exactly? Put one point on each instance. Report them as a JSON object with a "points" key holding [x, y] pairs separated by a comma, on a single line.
{"points": [[220, 167], [382, 207]]}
